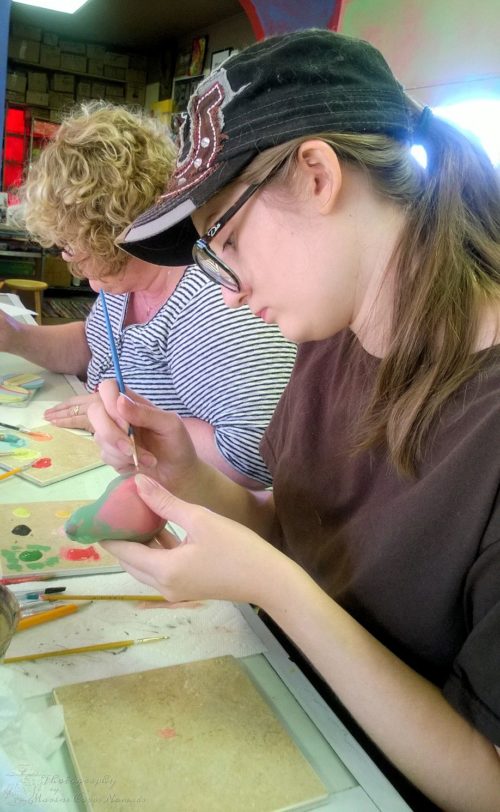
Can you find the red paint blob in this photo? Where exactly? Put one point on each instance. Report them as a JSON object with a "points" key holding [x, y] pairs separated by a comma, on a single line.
{"points": [[43, 462], [167, 733], [79, 554]]}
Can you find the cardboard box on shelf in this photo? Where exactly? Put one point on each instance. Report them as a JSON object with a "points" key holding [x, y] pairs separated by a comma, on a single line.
{"points": [[60, 101], [49, 38], [95, 67], [72, 47], [115, 92], [135, 94], [26, 31], [95, 51], [38, 81], [37, 98], [16, 81], [98, 90], [83, 90], [63, 83], [73, 62], [26, 49], [56, 116], [40, 113], [50, 56], [114, 72], [15, 97], [119, 60], [136, 76]]}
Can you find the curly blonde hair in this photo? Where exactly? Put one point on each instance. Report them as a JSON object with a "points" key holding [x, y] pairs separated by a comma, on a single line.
{"points": [[104, 167]]}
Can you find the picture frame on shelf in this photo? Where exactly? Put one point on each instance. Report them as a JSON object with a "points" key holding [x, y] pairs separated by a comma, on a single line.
{"points": [[198, 53], [182, 63], [218, 58]]}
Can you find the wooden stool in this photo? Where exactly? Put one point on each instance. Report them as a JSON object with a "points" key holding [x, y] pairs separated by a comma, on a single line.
{"points": [[33, 286]]}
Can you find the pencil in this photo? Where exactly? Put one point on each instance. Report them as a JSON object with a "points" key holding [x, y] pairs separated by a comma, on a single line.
{"points": [[44, 617], [82, 649], [102, 598], [116, 364]]}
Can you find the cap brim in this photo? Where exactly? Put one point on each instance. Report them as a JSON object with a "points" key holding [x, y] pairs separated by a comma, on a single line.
{"points": [[170, 247]]}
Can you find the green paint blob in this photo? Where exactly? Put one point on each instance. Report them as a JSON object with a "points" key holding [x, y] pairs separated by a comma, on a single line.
{"points": [[51, 562], [14, 566], [35, 566], [42, 547], [10, 555], [30, 555]]}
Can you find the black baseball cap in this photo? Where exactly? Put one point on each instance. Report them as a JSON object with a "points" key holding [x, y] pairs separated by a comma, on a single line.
{"points": [[278, 89]]}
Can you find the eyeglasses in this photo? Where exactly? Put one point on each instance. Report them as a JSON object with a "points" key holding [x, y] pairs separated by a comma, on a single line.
{"points": [[207, 260]]}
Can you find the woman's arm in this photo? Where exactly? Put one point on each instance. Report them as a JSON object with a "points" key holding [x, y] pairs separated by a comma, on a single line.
{"points": [[404, 714], [60, 348], [203, 436]]}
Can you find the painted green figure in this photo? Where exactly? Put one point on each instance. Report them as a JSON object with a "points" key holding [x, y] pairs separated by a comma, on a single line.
{"points": [[118, 514]]}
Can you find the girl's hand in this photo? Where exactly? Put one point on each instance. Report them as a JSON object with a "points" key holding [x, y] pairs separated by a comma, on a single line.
{"points": [[164, 447], [72, 413], [218, 559]]}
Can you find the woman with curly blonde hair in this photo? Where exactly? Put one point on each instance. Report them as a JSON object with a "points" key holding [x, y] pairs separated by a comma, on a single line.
{"points": [[221, 371]]}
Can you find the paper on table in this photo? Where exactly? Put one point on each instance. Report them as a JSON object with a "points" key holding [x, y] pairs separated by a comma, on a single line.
{"points": [[208, 629], [15, 310]]}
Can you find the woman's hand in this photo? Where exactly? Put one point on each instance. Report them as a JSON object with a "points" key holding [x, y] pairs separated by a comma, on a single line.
{"points": [[164, 447], [218, 559], [72, 413], [9, 328]]}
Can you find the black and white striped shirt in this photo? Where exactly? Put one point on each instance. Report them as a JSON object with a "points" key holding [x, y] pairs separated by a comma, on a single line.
{"points": [[199, 358]]}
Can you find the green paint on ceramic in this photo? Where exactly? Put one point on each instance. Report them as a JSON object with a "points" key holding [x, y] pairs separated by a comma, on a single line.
{"points": [[30, 555], [10, 555], [51, 562], [42, 547], [33, 566], [14, 566], [102, 519]]}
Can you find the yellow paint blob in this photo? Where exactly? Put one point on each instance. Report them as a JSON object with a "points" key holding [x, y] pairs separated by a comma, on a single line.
{"points": [[63, 514], [22, 512]]}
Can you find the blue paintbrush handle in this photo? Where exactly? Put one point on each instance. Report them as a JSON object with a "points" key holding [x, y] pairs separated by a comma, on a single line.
{"points": [[112, 344]]}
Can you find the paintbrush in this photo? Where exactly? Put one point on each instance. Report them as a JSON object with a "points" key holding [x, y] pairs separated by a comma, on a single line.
{"points": [[82, 649], [52, 598], [24, 430], [17, 470], [118, 372]]}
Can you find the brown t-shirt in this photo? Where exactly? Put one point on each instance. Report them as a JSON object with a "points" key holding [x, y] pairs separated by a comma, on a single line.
{"points": [[415, 561]]}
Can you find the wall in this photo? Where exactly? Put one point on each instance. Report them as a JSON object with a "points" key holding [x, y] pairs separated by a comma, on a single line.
{"points": [[440, 50], [235, 32]]}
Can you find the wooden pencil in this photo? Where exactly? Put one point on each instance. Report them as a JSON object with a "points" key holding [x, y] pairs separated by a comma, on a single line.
{"points": [[44, 617]]}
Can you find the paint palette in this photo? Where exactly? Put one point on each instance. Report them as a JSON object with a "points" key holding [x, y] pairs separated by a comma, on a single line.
{"points": [[33, 542], [61, 454]]}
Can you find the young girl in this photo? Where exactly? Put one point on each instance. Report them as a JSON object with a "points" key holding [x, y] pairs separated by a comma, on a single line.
{"points": [[378, 552]]}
